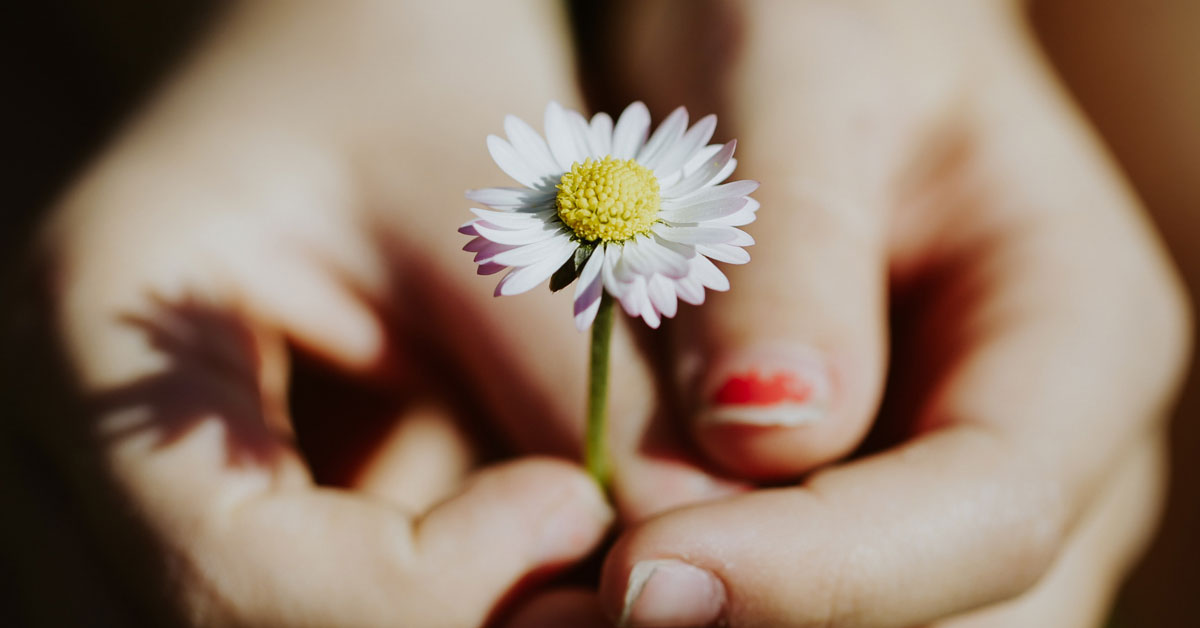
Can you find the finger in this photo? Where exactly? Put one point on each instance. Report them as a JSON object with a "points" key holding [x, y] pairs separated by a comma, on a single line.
{"points": [[523, 517], [264, 547], [188, 445], [785, 371], [1038, 389], [787, 368], [317, 308], [1079, 589], [323, 557], [968, 514], [422, 459], [835, 552], [653, 469]]}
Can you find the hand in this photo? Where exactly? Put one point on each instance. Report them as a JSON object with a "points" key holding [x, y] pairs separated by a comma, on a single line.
{"points": [[925, 161], [298, 186]]}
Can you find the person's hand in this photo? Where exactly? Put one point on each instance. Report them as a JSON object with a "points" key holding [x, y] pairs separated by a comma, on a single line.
{"points": [[298, 185], [926, 162]]}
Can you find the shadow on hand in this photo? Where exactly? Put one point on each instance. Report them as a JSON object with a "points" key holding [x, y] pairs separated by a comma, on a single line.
{"points": [[213, 371], [77, 550]]}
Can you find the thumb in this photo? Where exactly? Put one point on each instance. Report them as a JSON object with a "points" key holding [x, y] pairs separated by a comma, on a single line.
{"points": [[509, 522]]}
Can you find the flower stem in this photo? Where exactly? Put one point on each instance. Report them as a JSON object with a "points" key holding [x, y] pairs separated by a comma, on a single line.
{"points": [[596, 445]]}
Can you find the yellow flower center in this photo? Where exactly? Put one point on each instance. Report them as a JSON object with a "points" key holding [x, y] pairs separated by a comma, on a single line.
{"points": [[608, 199]]}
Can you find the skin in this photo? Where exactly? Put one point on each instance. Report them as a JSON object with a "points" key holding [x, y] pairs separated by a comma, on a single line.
{"points": [[297, 182], [935, 163], [250, 206]]}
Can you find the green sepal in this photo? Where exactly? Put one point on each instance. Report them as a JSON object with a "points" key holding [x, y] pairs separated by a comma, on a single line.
{"points": [[569, 271], [564, 276]]}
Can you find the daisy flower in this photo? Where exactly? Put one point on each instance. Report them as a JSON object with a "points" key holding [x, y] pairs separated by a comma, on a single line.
{"points": [[641, 219]]}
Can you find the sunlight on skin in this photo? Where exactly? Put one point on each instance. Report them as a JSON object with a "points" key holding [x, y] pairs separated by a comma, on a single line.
{"points": [[290, 188], [993, 199], [238, 213]]}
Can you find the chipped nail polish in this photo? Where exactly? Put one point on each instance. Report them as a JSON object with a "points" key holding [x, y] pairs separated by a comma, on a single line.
{"points": [[769, 388]]}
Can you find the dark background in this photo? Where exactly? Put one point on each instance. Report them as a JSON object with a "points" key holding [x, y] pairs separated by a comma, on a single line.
{"points": [[72, 70]]}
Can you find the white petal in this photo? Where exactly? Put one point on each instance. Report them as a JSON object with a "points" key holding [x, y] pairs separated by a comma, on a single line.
{"points": [[631, 297], [743, 217], [521, 236], [477, 243], [602, 133], [511, 162], [526, 278], [635, 300], [591, 269], [514, 220], [516, 199], [697, 137], [491, 249], [531, 253], [649, 313], [701, 157], [587, 306], [686, 251], [725, 172], [662, 295], [704, 175], [695, 235], [733, 189], [664, 138], [631, 263], [690, 290], [630, 132], [740, 219], [560, 134], [724, 253], [666, 182], [612, 255], [708, 210], [708, 274], [531, 147], [667, 260], [583, 134], [740, 238], [588, 290], [644, 256]]}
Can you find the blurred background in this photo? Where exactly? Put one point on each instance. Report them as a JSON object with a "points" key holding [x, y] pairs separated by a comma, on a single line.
{"points": [[72, 70]]}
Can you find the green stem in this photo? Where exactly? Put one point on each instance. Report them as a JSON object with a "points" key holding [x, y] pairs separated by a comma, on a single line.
{"points": [[596, 445]]}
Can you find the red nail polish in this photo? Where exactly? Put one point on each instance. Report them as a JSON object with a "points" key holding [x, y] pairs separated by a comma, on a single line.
{"points": [[753, 388], [776, 387]]}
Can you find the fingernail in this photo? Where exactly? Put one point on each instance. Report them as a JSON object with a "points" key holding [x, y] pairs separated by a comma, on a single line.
{"points": [[782, 387], [671, 593], [575, 525]]}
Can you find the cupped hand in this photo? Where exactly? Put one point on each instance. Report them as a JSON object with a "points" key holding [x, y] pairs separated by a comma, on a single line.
{"points": [[926, 165], [295, 190]]}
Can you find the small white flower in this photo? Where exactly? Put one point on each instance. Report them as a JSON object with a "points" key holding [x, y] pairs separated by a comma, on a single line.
{"points": [[637, 217]]}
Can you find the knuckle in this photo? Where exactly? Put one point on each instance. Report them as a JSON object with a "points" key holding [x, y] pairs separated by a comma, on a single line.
{"points": [[1176, 317], [1030, 542], [1164, 316]]}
